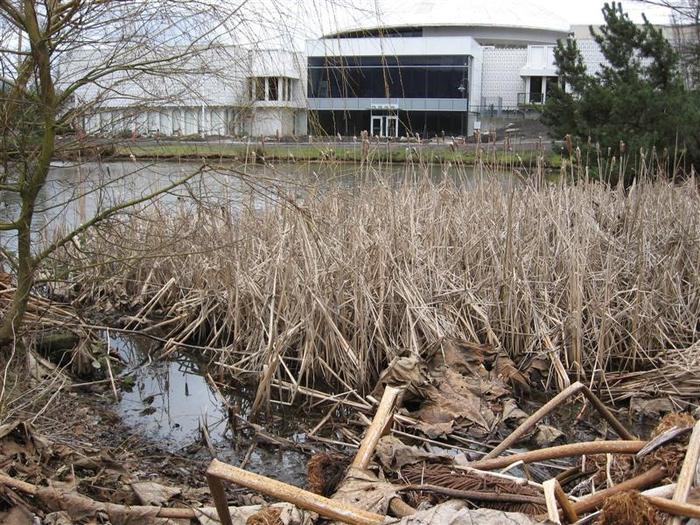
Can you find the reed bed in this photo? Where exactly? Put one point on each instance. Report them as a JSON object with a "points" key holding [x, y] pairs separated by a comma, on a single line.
{"points": [[326, 289]]}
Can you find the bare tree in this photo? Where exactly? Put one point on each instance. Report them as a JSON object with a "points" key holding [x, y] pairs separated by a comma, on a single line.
{"points": [[59, 59]]}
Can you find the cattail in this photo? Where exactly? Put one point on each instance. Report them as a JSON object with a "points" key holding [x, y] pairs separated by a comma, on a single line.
{"points": [[569, 144]]}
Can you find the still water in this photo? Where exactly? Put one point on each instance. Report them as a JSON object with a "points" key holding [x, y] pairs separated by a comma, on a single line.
{"points": [[170, 402], [75, 193]]}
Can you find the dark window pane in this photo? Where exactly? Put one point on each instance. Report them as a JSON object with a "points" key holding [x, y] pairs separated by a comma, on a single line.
{"points": [[273, 91], [259, 88], [395, 82], [535, 90]]}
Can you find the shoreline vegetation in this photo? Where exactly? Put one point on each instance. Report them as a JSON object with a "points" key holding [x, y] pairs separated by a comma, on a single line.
{"points": [[527, 154], [568, 281]]}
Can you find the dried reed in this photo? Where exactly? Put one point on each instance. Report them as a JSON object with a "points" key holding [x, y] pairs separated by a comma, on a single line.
{"points": [[329, 287]]}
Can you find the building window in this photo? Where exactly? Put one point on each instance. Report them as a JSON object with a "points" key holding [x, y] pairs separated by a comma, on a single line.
{"points": [[427, 77], [539, 88], [536, 96], [260, 89], [270, 89], [273, 89]]}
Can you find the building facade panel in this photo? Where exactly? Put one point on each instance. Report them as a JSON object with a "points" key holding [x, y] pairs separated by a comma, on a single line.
{"points": [[501, 79]]}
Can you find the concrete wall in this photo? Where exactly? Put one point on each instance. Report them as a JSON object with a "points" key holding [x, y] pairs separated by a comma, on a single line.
{"points": [[501, 78], [205, 101]]}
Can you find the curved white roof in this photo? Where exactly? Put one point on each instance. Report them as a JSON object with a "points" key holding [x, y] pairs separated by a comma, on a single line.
{"points": [[516, 14]]}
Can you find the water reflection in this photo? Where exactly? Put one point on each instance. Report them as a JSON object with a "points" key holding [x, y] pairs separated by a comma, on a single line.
{"points": [[170, 401], [74, 193]]}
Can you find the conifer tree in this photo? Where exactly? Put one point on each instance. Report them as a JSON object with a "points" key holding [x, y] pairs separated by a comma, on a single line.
{"points": [[637, 102]]}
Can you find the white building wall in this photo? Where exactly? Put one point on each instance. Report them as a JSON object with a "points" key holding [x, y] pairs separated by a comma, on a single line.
{"points": [[476, 80], [592, 55], [501, 76], [204, 100]]}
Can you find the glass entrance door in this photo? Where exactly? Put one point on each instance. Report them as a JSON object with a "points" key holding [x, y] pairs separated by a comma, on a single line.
{"points": [[384, 126], [391, 126], [377, 126]]}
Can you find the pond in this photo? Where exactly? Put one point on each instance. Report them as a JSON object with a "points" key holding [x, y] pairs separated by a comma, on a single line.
{"points": [[170, 402], [74, 193]]}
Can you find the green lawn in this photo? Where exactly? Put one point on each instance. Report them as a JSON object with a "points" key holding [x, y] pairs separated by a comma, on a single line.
{"points": [[340, 152]]}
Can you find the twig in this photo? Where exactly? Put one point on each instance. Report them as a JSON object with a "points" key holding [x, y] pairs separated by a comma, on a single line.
{"points": [[687, 475], [562, 451], [550, 406]]}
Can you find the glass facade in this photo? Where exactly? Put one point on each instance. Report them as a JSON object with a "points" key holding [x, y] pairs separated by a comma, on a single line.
{"points": [[427, 124], [401, 32], [389, 77]]}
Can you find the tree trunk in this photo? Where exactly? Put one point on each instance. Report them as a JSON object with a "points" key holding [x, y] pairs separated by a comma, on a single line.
{"points": [[34, 178], [25, 278]]}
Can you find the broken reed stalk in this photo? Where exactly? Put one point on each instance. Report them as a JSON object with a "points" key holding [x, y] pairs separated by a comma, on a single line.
{"points": [[688, 471], [380, 424], [562, 451], [554, 494], [549, 407], [328, 508], [595, 501]]}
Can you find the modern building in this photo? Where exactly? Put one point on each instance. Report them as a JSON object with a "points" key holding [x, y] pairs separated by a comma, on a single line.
{"points": [[220, 91], [427, 68], [433, 67]]}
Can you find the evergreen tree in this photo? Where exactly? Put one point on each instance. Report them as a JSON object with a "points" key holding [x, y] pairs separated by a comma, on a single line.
{"points": [[636, 102]]}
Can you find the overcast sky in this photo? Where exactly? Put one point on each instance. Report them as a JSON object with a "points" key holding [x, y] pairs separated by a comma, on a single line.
{"points": [[589, 11], [287, 23]]}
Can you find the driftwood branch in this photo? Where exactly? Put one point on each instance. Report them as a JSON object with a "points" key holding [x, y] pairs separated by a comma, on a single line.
{"points": [[77, 500], [563, 451], [550, 406], [328, 508]]}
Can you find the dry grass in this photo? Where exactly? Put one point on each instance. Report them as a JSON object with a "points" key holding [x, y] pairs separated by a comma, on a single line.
{"points": [[331, 287]]}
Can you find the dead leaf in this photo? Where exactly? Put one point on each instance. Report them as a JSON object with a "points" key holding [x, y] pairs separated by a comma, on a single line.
{"points": [[409, 372], [17, 515], [504, 369], [151, 493], [458, 513], [652, 408], [511, 411], [462, 356], [457, 398], [289, 514], [393, 454], [546, 435]]}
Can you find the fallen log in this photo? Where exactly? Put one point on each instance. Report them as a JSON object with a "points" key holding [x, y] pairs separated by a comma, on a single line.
{"points": [[562, 451]]}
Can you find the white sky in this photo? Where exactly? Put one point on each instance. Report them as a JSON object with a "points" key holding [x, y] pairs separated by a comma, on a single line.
{"points": [[289, 22], [589, 11]]}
